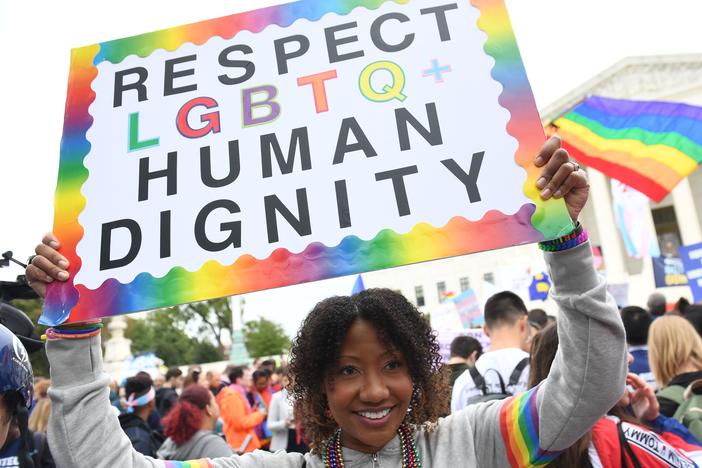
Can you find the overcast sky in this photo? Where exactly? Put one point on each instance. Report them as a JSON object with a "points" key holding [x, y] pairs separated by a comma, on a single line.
{"points": [[563, 44]]}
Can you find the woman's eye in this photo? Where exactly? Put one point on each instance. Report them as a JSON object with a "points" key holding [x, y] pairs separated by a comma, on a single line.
{"points": [[394, 364], [347, 370]]}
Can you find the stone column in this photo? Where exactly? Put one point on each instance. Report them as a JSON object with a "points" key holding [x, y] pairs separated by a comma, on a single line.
{"points": [[609, 235], [685, 211]]}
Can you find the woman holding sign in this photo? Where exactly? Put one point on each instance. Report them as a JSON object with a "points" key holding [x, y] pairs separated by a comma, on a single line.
{"points": [[367, 378]]}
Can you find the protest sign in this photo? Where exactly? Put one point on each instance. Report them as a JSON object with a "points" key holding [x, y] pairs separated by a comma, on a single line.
{"points": [[539, 288], [290, 144], [468, 308], [691, 256], [445, 337], [445, 317], [668, 272]]}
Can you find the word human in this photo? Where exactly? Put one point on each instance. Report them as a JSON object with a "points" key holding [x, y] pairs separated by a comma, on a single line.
{"points": [[352, 139]]}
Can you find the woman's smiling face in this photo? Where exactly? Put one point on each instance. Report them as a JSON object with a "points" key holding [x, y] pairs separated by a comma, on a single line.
{"points": [[369, 390]]}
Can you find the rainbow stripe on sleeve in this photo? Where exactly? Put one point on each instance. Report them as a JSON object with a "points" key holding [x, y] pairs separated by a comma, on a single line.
{"points": [[202, 463], [519, 424], [535, 221]]}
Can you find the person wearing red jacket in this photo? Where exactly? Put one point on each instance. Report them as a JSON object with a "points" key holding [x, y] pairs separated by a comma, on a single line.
{"points": [[240, 419], [634, 434]]}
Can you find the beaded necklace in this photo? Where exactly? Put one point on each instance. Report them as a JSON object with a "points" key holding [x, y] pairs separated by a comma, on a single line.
{"points": [[332, 457]]}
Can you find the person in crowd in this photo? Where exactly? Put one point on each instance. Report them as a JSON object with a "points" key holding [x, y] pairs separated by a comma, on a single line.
{"points": [[260, 388], [115, 399], [20, 447], [681, 305], [159, 380], [39, 417], [167, 395], [637, 321], [193, 376], [505, 365], [141, 402], [276, 379], [286, 433], [675, 355], [465, 350], [268, 364], [240, 418], [154, 419], [190, 425], [213, 379], [367, 378], [634, 434], [37, 383], [693, 314], [656, 304], [537, 320], [261, 395]]}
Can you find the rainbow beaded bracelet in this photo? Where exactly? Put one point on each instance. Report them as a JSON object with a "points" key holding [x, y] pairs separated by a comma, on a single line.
{"points": [[575, 238]]}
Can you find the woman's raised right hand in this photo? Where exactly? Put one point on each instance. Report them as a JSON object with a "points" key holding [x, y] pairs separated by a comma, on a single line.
{"points": [[47, 266]]}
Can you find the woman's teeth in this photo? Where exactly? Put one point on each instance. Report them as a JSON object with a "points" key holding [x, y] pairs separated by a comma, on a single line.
{"points": [[375, 414]]}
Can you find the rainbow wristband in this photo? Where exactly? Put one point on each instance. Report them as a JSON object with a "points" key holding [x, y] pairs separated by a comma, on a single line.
{"points": [[75, 331], [574, 239]]}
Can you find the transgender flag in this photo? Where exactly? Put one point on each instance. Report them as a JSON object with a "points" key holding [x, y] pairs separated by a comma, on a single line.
{"points": [[632, 218], [648, 145], [468, 308]]}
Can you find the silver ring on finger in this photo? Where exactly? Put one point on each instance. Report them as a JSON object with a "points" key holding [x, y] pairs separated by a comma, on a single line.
{"points": [[576, 166]]}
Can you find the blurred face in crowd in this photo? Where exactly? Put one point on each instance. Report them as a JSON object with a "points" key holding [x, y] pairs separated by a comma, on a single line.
{"points": [[370, 390], [212, 409], [179, 381], [159, 381], [5, 423], [213, 379], [261, 384], [245, 380]]}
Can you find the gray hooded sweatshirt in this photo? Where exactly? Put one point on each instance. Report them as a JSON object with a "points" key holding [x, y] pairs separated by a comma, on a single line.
{"points": [[201, 444], [587, 378]]}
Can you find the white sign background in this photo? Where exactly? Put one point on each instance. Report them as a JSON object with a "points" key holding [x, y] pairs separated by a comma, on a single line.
{"points": [[466, 101]]}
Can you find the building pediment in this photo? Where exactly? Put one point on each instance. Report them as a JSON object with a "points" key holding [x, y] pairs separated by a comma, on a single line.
{"points": [[668, 78]]}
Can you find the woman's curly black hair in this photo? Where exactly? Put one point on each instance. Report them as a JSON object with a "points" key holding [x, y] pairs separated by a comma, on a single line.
{"points": [[315, 354]]}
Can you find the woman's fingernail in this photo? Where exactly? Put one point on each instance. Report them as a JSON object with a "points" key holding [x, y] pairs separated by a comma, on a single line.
{"points": [[539, 161], [63, 275], [546, 193], [53, 244], [558, 194], [49, 279], [63, 264], [541, 182]]}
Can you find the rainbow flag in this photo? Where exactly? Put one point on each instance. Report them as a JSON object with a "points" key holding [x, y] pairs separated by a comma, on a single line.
{"points": [[648, 145]]}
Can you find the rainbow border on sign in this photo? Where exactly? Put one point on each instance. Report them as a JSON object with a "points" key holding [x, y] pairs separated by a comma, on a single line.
{"points": [[532, 223]]}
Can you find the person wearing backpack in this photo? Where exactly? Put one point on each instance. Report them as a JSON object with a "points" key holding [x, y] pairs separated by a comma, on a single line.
{"points": [[503, 370], [675, 356]]}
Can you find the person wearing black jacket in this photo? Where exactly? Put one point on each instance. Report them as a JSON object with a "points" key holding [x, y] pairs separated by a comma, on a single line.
{"points": [[19, 447], [167, 395], [141, 403]]}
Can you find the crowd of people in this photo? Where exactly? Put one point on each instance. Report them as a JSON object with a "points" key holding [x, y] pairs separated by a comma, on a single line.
{"points": [[181, 416], [365, 384]]}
